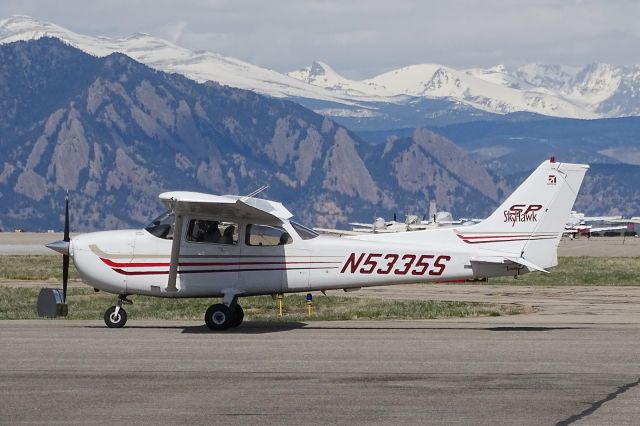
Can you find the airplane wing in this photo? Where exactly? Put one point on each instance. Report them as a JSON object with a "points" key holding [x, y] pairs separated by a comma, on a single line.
{"points": [[340, 232], [226, 206], [601, 218], [362, 225], [608, 228], [631, 220]]}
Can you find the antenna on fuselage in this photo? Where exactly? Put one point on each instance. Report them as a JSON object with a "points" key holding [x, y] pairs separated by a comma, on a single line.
{"points": [[256, 192]]}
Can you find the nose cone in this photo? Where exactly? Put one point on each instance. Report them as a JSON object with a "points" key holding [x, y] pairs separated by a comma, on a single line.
{"points": [[61, 247]]}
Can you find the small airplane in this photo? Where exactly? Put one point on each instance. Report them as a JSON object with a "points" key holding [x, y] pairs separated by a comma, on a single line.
{"points": [[232, 246], [411, 223], [579, 224]]}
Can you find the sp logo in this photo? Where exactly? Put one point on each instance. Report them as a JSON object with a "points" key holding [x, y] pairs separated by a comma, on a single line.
{"points": [[524, 208], [522, 213]]}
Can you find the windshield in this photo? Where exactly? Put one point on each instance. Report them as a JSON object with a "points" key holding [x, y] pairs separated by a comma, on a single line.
{"points": [[162, 226], [304, 232]]}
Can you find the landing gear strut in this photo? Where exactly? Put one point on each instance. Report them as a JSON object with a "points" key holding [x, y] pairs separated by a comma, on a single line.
{"points": [[222, 317], [116, 316]]}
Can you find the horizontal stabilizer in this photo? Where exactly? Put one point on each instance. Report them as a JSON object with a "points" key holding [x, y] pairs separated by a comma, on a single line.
{"points": [[501, 260]]}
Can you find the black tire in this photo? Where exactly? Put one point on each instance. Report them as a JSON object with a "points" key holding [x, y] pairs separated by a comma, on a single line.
{"points": [[115, 322], [238, 316], [218, 317]]}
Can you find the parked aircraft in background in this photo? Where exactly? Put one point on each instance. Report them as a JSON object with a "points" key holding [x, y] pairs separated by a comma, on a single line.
{"points": [[635, 220], [411, 223], [579, 224], [232, 247]]}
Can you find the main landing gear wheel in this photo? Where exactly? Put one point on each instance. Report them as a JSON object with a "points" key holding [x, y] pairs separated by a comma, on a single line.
{"points": [[238, 316], [218, 317], [113, 319]]}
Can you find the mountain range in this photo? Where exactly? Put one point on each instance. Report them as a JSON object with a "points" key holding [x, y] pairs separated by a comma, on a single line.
{"points": [[115, 133], [115, 122], [410, 96]]}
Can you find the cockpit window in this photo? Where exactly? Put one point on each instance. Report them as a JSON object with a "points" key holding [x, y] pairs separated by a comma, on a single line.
{"points": [[162, 226], [304, 232]]}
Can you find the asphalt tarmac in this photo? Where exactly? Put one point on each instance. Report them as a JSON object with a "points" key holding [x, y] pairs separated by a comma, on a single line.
{"points": [[383, 372], [575, 360]]}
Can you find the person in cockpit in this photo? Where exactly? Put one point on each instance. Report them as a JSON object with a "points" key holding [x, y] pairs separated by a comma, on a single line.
{"points": [[211, 231]]}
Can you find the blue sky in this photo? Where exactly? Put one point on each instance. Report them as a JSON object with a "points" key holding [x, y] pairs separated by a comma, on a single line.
{"points": [[363, 38]]}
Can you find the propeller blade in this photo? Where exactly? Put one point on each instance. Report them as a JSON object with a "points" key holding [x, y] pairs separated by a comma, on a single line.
{"points": [[66, 219], [65, 277], [65, 258]]}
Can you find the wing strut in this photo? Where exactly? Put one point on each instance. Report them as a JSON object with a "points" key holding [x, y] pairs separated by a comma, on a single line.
{"points": [[175, 253]]}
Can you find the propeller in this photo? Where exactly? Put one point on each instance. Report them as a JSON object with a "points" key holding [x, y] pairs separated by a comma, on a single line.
{"points": [[52, 303], [65, 256]]}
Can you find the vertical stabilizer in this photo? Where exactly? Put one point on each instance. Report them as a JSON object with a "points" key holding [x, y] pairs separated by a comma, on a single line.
{"points": [[529, 224]]}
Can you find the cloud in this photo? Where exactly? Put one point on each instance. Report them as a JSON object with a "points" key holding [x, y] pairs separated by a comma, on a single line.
{"points": [[365, 37], [173, 31]]}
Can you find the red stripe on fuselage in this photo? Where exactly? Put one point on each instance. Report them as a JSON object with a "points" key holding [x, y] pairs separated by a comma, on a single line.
{"points": [[211, 271], [113, 264]]}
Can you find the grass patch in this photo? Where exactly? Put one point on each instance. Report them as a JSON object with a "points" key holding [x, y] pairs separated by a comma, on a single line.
{"points": [[84, 303], [577, 271], [40, 268]]}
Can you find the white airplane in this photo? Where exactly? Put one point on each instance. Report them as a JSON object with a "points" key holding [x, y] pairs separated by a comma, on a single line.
{"points": [[232, 247], [576, 219], [411, 223], [579, 224]]}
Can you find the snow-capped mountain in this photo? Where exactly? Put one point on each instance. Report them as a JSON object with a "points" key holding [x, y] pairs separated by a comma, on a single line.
{"points": [[552, 90], [322, 75], [166, 56], [490, 90], [593, 91]]}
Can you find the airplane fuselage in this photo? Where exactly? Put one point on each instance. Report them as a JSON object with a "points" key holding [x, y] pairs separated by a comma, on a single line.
{"points": [[137, 262]]}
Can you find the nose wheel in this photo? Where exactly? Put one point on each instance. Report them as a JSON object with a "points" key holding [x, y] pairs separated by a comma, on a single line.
{"points": [[116, 316], [221, 317]]}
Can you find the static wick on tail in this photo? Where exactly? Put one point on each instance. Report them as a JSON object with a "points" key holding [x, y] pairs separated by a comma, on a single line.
{"points": [[52, 302]]}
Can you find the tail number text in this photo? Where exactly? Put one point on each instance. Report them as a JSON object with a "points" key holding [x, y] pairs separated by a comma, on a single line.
{"points": [[397, 264]]}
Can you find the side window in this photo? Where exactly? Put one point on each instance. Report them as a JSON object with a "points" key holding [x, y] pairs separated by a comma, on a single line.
{"points": [[212, 231], [266, 235]]}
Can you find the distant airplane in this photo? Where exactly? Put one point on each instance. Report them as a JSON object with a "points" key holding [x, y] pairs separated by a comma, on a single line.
{"points": [[579, 224], [632, 220], [411, 223], [232, 247]]}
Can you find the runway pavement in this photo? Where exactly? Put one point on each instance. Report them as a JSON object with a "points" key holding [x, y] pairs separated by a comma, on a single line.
{"points": [[25, 243], [575, 360], [358, 372]]}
